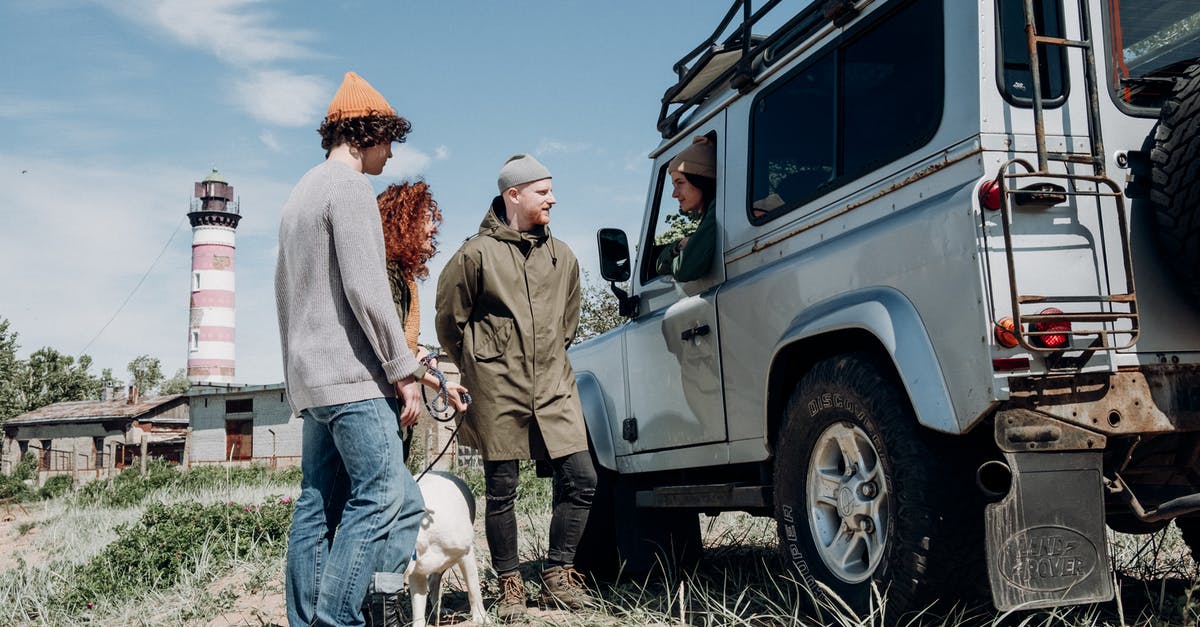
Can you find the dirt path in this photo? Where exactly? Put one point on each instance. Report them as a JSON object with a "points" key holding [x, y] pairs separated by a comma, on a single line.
{"points": [[18, 535]]}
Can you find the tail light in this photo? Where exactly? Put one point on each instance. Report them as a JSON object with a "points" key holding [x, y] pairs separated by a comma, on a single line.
{"points": [[1005, 332], [989, 195], [1057, 331]]}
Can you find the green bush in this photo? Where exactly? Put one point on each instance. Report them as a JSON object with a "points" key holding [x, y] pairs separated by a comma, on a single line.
{"points": [[56, 486], [168, 541], [288, 476], [207, 477], [131, 487], [13, 486], [14, 489], [27, 468]]}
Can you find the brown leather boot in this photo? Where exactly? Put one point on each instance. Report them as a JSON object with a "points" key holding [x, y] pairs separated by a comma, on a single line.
{"points": [[562, 586], [511, 604]]}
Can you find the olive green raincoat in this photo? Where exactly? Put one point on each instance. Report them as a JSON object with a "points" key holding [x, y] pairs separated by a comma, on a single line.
{"points": [[507, 308]]}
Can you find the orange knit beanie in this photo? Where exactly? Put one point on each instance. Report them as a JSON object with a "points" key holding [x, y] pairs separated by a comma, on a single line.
{"points": [[355, 99]]}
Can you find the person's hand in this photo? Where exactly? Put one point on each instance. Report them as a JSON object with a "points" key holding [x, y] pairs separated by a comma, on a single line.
{"points": [[408, 390], [456, 391]]}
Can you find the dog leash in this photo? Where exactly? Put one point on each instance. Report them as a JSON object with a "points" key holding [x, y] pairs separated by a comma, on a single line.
{"points": [[440, 409]]}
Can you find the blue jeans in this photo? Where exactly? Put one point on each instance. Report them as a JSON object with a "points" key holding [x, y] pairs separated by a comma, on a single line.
{"points": [[358, 513]]}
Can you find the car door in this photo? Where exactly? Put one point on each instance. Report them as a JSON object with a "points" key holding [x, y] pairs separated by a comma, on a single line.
{"points": [[672, 347]]}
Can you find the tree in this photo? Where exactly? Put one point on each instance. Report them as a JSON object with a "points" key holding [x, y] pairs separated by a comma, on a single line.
{"points": [[10, 374], [52, 377], [177, 384], [597, 310], [145, 372], [679, 226], [107, 380]]}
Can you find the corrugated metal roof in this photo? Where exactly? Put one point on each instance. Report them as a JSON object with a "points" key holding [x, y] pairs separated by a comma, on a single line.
{"points": [[205, 389], [91, 411]]}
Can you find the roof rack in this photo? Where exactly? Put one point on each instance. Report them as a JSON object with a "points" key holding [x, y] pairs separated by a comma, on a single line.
{"points": [[715, 64]]}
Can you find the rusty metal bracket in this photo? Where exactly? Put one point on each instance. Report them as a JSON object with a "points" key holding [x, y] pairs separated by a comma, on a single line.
{"points": [[1166, 511], [1022, 430]]}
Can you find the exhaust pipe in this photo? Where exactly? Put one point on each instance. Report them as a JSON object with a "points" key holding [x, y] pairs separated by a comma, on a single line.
{"points": [[994, 479]]}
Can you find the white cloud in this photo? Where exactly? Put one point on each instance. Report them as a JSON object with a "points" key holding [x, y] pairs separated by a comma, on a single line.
{"points": [[268, 139], [239, 34], [283, 98], [441, 153], [406, 163], [551, 146], [229, 29]]}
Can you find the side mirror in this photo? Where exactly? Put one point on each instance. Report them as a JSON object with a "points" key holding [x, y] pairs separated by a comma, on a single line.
{"points": [[615, 267], [614, 254]]}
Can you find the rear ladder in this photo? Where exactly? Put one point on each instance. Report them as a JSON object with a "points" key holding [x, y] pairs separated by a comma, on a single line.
{"points": [[1101, 319]]}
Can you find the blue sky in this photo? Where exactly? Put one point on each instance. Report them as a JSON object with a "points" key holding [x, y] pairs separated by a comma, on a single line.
{"points": [[111, 110]]}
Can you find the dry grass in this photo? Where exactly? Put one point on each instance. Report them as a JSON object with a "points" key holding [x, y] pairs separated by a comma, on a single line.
{"points": [[739, 580]]}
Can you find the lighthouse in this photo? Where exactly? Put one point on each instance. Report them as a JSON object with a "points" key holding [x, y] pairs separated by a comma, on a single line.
{"points": [[214, 216]]}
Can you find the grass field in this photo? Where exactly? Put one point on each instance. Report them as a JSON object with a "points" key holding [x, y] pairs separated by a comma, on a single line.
{"points": [[205, 548]]}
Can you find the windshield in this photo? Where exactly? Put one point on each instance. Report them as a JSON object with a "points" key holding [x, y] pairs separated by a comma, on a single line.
{"points": [[1152, 41]]}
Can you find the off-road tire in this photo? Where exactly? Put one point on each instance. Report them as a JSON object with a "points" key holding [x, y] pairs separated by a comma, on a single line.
{"points": [[1175, 180], [930, 527]]}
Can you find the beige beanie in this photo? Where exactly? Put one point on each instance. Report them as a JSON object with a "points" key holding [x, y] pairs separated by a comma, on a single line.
{"points": [[356, 99], [700, 159]]}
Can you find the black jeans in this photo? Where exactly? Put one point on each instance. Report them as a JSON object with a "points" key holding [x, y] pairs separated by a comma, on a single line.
{"points": [[574, 487]]}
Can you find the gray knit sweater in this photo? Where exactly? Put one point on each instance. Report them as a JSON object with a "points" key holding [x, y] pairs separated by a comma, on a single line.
{"points": [[338, 329]]}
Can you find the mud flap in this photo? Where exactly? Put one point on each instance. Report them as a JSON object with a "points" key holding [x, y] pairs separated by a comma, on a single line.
{"points": [[1046, 543]]}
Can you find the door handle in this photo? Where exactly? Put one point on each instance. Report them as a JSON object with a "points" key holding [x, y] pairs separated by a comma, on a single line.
{"points": [[694, 332]]}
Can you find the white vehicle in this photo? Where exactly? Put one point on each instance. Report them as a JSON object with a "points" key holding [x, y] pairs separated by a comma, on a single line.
{"points": [[952, 328]]}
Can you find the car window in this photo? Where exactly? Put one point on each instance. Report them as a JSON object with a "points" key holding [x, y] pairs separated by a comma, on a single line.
{"points": [[1016, 72], [849, 111], [659, 226], [669, 225]]}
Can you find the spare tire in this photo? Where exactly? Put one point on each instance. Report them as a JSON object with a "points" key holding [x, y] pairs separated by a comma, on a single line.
{"points": [[1175, 170]]}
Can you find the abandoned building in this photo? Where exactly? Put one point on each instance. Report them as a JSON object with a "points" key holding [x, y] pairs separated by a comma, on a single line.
{"points": [[97, 438], [210, 424], [249, 424]]}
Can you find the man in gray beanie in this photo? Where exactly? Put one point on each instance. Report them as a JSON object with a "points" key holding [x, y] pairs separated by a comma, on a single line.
{"points": [[507, 309]]}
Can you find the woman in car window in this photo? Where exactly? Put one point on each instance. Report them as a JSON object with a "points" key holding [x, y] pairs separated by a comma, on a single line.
{"points": [[694, 178]]}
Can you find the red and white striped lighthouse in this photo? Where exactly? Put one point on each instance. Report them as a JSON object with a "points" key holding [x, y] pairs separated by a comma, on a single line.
{"points": [[214, 216]]}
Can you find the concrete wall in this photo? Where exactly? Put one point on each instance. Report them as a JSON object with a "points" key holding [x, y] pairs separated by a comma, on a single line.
{"points": [[75, 439], [271, 412]]}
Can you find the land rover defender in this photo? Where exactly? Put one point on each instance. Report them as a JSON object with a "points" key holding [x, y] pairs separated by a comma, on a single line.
{"points": [[952, 326]]}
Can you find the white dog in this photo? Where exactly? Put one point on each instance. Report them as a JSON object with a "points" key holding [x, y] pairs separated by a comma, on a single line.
{"points": [[446, 538]]}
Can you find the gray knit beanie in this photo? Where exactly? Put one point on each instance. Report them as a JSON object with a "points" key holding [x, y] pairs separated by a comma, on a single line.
{"points": [[519, 170]]}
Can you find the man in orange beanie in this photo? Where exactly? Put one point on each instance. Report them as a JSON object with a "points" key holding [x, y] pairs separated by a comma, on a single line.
{"points": [[345, 362]]}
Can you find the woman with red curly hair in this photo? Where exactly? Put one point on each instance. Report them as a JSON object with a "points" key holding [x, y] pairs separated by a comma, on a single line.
{"points": [[410, 218]]}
